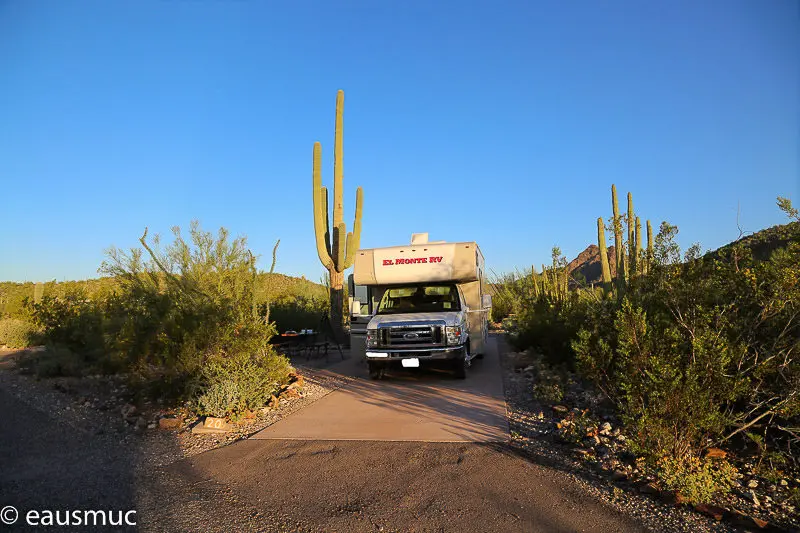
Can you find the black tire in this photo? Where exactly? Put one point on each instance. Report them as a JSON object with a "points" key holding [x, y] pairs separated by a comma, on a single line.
{"points": [[461, 364], [376, 371]]}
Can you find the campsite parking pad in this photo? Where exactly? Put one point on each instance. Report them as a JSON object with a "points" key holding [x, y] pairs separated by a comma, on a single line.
{"points": [[409, 405]]}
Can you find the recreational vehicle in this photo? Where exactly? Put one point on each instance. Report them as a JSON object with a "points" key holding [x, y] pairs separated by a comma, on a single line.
{"points": [[420, 304]]}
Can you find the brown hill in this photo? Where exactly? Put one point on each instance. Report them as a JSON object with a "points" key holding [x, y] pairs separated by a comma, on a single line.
{"points": [[587, 265]]}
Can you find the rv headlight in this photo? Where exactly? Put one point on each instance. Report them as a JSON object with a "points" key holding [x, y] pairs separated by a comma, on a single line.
{"points": [[453, 334], [372, 338]]}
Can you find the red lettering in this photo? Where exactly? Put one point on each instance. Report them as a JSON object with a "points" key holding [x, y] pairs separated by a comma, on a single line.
{"points": [[436, 259], [387, 262]]}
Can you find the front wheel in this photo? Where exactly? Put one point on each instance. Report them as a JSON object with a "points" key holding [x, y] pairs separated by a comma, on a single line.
{"points": [[462, 363], [376, 371]]}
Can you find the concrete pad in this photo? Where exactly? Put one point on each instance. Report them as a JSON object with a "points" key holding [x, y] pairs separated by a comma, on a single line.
{"points": [[408, 405]]}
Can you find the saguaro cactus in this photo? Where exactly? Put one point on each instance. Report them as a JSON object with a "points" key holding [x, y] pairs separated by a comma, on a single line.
{"points": [[601, 242], [336, 249], [631, 236], [38, 292], [649, 244], [637, 252], [618, 247]]}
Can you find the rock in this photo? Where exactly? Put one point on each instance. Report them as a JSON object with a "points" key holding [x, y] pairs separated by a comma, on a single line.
{"points": [[560, 409], [290, 393], [754, 498], [648, 488], [170, 422], [752, 484], [618, 475], [585, 452], [274, 402], [151, 425], [141, 423], [784, 483], [605, 429], [716, 453], [711, 510], [621, 438]]}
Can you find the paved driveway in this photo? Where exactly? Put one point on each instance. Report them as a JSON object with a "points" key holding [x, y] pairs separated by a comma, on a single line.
{"points": [[409, 405]]}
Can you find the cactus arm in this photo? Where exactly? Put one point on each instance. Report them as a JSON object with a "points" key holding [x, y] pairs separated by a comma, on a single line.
{"points": [[324, 194], [320, 223], [649, 243], [354, 238]]}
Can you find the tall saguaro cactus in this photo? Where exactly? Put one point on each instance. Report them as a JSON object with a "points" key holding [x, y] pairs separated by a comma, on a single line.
{"points": [[637, 253], [337, 248], [618, 247], [631, 236], [649, 244], [601, 242]]}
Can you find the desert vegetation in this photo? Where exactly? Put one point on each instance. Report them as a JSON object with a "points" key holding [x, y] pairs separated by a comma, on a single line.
{"points": [[190, 321], [694, 353]]}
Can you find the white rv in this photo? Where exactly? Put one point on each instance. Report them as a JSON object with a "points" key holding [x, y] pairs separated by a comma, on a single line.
{"points": [[419, 304]]}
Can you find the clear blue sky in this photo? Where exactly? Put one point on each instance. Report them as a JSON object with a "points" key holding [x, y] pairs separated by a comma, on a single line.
{"points": [[500, 122]]}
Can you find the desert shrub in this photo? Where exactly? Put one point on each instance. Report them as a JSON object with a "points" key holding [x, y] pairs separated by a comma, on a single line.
{"points": [[188, 316], [17, 333], [233, 385], [72, 320], [696, 480], [56, 361]]}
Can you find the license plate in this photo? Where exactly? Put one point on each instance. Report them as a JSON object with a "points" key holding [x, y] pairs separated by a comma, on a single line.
{"points": [[410, 363]]}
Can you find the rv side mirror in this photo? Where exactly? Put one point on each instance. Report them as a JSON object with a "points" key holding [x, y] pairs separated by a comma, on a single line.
{"points": [[487, 301], [355, 307]]}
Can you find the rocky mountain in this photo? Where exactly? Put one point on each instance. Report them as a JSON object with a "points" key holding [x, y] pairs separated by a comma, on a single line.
{"points": [[587, 265]]}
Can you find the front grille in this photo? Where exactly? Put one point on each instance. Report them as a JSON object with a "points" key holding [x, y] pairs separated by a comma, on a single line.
{"points": [[411, 336]]}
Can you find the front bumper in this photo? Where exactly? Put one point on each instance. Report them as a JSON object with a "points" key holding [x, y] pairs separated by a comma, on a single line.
{"points": [[423, 354]]}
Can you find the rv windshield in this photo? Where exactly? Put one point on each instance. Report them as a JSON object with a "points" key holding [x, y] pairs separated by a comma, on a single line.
{"points": [[419, 299]]}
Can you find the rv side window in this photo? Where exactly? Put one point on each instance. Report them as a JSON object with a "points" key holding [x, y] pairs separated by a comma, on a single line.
{"points": [[419, 299]]}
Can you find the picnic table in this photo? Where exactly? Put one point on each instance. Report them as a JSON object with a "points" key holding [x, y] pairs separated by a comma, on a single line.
{"points": [[308, 344]]}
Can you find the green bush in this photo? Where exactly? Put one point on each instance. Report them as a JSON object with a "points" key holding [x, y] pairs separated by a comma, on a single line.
{"points": [[16, 333], [696, 480], [71, 320], [56, 361], [233, 385]]}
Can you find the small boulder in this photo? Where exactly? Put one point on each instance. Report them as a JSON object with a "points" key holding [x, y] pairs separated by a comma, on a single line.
{"points": [[752, 484], [170, 422], [560, 409], [711, 510], [716, 453], [605, 429], [618, 475]]}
